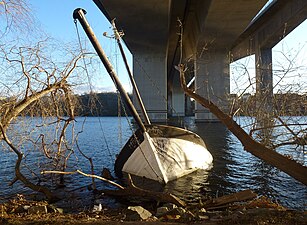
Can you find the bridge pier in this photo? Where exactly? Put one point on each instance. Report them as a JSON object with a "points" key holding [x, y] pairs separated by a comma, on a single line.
{"points": [[178, 99], [149, 70], [212, 81], [264, 80], [151, 34]]}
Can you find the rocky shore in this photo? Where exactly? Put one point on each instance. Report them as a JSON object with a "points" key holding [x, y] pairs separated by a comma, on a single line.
{"points": [[259, 210]]}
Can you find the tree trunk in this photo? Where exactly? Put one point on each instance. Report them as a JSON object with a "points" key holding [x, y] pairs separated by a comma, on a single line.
{"points": [[289, 166]]}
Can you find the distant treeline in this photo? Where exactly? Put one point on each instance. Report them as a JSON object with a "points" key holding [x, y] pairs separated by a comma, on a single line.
{"points": [[106, 104], [109, 104], [289, 104], [100, 104]]}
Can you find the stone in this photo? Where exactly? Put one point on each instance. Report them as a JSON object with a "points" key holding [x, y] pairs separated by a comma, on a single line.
{"points": [[38, 209], [177, 211], [60, 210], [26, 207], [97, 208], [202, 210], [19, 209], [53, 209], [161, 211], [3, 211], [188, 216], [135, 213], [170, 206], [171, 217], [203, 217], [174, 214]]}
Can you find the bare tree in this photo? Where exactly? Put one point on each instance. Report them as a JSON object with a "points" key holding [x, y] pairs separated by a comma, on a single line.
{"points": [[251, 145], [16, 16], [257, 136], [35, 86]]}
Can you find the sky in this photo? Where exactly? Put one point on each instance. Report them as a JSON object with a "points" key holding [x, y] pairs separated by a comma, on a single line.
{"points": [[290, 54], [55, 18]]}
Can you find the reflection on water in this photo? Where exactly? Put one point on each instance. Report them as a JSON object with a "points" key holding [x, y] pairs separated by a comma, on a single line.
{"points": [[234, 169]]}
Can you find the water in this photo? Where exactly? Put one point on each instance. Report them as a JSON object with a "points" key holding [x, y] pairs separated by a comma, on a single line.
{"points": [[101, 139]]}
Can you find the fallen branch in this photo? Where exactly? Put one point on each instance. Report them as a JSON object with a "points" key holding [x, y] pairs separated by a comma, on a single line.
{"points": [[133, 190], [291, 167], [19, 175], [225, 200], [129, 191], [86, 175]]}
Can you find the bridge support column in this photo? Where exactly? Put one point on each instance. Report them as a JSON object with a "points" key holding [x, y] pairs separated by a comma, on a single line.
{"points": [[149, 70], [212, 81], [178, 99], [264, 80]]}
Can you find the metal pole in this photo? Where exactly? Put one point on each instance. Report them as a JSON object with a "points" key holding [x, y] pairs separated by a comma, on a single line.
{"points": [[80, 15], [137, 93]]}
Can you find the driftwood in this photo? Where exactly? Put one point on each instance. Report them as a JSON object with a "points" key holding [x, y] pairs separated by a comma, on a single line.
{"points": [[291, 167], [86, 175], [224, 201], [130, 190]]}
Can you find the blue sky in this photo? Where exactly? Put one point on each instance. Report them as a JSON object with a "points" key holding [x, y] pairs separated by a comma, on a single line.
{"points": [[55, 18], [290, 55]]}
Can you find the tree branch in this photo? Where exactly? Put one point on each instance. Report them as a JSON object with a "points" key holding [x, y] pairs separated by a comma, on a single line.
{"points": [[294, 169]]}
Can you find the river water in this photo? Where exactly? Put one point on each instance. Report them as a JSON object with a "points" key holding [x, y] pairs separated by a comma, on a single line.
{"points": [[101, 139]]}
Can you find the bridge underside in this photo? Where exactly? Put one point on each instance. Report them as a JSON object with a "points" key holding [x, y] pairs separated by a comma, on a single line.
{"points": [[211, 31]]}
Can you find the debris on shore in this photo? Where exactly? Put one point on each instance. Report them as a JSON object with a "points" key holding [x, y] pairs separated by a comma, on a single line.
{"points": [[244, 207]]}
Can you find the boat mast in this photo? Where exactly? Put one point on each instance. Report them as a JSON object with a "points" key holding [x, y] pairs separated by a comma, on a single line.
{"points": [[80, 15], [136, 90]]}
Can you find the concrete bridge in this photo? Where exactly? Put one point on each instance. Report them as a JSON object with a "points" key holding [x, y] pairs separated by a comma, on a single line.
{"points": [[215, 33]]}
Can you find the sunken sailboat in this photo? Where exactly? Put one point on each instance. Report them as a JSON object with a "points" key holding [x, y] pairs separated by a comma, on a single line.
{"points": [[157, 152]]}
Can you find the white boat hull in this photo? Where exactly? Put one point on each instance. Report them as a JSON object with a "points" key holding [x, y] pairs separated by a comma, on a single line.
{"points": [[163, 154]]}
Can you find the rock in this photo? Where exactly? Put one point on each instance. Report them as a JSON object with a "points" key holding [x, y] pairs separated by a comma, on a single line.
{"points": [[135, 213], [177, 211], [188, 216], [60, 210], [202, 214], [171, 217], [203, 217], [53, 209], [170, 206], [161, 211], [202, 210], [19, 209], [38, 209], [3, 211], [174, 214], [97, 208], [26, 207]]}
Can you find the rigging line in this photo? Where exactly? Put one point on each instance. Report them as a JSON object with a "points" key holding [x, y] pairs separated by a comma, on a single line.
{"points": [[118, 101], [179, 40], [153, 84], [83, 58], [91, 89], [119, 119], [139, 144], [105, 139]]}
